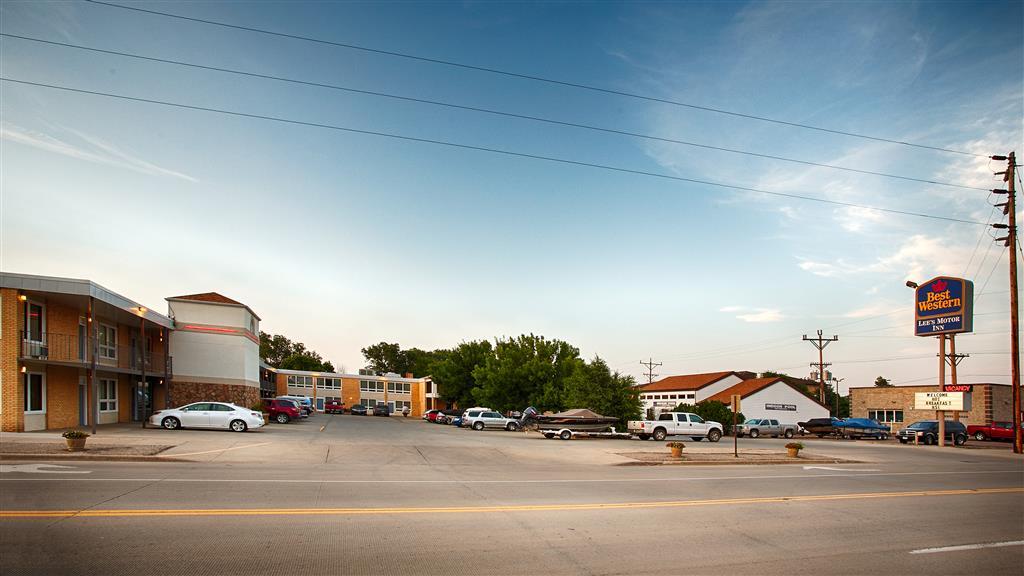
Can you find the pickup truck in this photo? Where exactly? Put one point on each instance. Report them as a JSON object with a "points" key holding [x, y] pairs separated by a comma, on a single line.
{"points": [[676, 424], [994, 431], [755, 427]]}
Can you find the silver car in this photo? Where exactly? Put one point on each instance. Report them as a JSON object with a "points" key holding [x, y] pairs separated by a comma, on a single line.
{"points": [[478, 420]]}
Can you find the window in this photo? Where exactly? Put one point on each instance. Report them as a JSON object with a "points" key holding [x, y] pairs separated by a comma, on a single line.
{"points": [[108, 342], [696, 419], [300, 381], [370, 386], [108, 395], [399, 404], [664, 416], [891, 416], [682, 417], [370, 402], [35, 393], [329, 383], [35, 321], [198, 407], [221, 408], [399, 387]]}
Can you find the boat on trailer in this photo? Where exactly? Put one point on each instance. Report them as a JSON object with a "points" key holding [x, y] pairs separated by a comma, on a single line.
{"points": [[576, 420]]}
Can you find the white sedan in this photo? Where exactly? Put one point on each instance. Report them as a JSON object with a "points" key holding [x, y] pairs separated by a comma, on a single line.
{"points": [[208, 415]]}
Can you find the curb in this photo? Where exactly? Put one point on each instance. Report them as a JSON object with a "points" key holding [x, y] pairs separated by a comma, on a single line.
{"points": [[92, 457], [735, 463]]}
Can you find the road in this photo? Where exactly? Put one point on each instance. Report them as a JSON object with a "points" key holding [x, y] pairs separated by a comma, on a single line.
{"points": [[402, 497]]}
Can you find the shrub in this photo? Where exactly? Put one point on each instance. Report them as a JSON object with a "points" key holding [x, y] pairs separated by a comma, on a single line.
{"points": [[679, 445], [795, 446], [74, 434]]}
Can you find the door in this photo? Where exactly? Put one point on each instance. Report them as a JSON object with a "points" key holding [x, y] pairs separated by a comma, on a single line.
{"points": [[83, 402], [697, 425], [493, 420], [682, 424], [220, 415], [142, 402], [196, 415], [319, 404]]}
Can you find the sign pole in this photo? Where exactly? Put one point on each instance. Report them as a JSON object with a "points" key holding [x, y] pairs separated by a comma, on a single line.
{"points": [[735, 433], [952, 369], [941, 415]]}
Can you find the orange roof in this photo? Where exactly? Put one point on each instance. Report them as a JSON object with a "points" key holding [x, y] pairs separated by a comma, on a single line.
{"points": [[208, 297], [685, 382], [745, 388]]}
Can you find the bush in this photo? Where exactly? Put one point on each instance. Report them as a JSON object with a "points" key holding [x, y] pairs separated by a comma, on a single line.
{"points": [[74, 434], [679, 445], [795, 446]]}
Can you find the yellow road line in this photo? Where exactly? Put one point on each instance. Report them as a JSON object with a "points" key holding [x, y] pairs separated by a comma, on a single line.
{"points": [[113, 513]]}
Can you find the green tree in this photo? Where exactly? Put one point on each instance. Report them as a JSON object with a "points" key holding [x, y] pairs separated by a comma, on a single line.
{"points": [[385, 357], [280, 352], [453, 370], [883, 382], [310, 361], [713, 410], [593, 385], [421, 362], [528, 370]]}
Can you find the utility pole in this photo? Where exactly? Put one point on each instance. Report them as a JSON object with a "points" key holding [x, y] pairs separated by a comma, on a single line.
{"points": [[1010, 209], [650, 369], [820, 343], [954, 359]]}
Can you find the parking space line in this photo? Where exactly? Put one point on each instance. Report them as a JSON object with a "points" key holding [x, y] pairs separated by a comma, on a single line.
{"points": [[968, 547], [113, 513]]}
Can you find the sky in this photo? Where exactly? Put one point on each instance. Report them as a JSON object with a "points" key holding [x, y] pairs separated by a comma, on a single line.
{"points": [[342, 239]]}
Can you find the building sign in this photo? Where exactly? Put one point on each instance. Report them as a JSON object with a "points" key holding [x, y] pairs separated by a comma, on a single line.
{"points": [[944, 305], [957, 387], [787, 407], [952, 401]]}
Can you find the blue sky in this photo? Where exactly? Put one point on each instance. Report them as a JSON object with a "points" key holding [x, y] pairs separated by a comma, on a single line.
{"points": [[342, 240]]}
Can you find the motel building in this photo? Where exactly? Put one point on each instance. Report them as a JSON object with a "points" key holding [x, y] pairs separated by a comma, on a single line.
{"points": [[894, 405], [759, 397], [76, 354]]}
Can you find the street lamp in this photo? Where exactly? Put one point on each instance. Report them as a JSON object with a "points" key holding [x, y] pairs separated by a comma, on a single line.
{"points": [[835, 382]]}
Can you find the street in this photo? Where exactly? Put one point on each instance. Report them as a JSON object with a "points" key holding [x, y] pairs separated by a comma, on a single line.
{"points": [[393, 496]]}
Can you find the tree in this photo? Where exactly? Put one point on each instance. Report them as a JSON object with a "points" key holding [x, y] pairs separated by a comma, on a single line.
{"points": [[883, 383], [385, 357], [453, 370], [713, 410], [280, 352], [593, 385], [528, 370], [421, 362]]}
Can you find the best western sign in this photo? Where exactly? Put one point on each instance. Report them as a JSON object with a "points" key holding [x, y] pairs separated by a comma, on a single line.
{"points": [[944, 305], [953, 401]]}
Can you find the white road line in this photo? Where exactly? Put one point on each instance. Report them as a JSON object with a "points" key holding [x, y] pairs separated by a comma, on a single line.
{"points": [[212, 451], [536, 481], [968, 547]]}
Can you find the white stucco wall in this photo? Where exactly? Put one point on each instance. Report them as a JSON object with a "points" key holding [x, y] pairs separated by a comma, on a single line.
{"points": [[753, 406], [712, 389], [207, 313], [215, 358]]}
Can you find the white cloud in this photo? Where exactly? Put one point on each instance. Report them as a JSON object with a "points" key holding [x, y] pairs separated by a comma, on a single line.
{"points": [[101, 152], [919, 257]]}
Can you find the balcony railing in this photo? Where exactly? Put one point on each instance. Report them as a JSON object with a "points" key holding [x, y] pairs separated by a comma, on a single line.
{"points": [[71, 348]]}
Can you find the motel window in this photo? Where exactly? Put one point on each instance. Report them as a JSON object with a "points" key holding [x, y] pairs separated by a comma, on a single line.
{"points": [[108, 342], [398, 387], [370, 402], [399, 404], [35, 321], [893, 416], [35, 393], [108, 395], [300, 381], [330, 383], [371, 386]]}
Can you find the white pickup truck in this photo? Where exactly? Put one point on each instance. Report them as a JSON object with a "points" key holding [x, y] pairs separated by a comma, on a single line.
{"points": [[676, 424]]}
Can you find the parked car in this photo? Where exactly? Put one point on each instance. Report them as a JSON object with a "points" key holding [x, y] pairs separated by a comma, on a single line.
{"points": [[282, 411], [431, 415], [472, 413], [457, 422], [490, 419], [358, 410], [861, 428], [755, 427], [304, 402], [820, 427], [676, 424], [381, 409], [927, 432], [208, 415], [993, 431], [334, 407], [446, 416]]}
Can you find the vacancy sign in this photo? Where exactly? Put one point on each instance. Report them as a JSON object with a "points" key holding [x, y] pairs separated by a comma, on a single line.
{"points": [[951, 401]]}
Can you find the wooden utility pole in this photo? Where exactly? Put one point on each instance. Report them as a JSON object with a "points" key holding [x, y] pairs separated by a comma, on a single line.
{"points": [[1010, 209], [953, 359], [820, 343], [650, 369]]}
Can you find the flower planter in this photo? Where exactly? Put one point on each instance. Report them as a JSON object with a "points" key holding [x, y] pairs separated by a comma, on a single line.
{"points": [[793, 452], [677, 452], [75, 444]]}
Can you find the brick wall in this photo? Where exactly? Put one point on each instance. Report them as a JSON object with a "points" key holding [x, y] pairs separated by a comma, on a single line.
{"points": [[61, 397], [350, 392], [188, 392], [12, 415], [902, 398], [418, 399]]}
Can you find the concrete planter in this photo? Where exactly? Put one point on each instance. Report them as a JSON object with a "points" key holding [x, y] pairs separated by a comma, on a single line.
{"points": [[75, 444], [793, 452], [677, 452]]}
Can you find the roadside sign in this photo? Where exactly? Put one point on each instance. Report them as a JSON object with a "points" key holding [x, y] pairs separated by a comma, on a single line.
{"points": [[958, 388], [735, 402], [947, 401], [944, 305]]}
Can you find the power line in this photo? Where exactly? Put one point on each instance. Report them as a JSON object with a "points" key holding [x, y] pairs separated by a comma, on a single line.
{"points": [[487, 149], [531, 77], [995, 265], [491, 111]]}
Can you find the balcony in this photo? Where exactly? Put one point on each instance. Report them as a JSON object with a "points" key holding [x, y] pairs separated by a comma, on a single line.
{"points": [[72, 349]]}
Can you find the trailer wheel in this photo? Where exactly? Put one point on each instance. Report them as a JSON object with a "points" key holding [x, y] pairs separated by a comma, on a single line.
{"points": [[789, 434], [565, 435]]}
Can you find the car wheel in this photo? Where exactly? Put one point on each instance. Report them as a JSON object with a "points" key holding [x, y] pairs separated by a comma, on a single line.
{"points": [[282, 418], [754, 433], [788, 434], [512, 427], [549, 435], [960, 439], [565, 435], [979, 436], [902, 441], [170, 423], [238, 426], [929, 440], [478, 426], [643, 436], [714, 436], [660, 434]]}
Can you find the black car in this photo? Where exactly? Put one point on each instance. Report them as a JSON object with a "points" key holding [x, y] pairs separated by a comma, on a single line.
{"points": [[928, 432], [358, 410], [381, 410]]}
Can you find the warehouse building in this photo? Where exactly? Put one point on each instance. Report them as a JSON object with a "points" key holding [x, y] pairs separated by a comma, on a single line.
{"points": [[894, 405]]}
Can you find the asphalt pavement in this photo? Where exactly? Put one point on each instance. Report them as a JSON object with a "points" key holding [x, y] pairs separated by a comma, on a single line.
{"points": [[395, 496]]}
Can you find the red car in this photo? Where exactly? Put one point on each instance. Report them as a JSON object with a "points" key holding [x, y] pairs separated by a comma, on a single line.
{"points": [[993, 431], [282, 411], [334, 407], [431, 415]]}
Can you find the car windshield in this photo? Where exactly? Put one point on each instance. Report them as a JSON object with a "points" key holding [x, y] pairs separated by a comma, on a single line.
{"points": [[921, 425], [753, 421]]}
